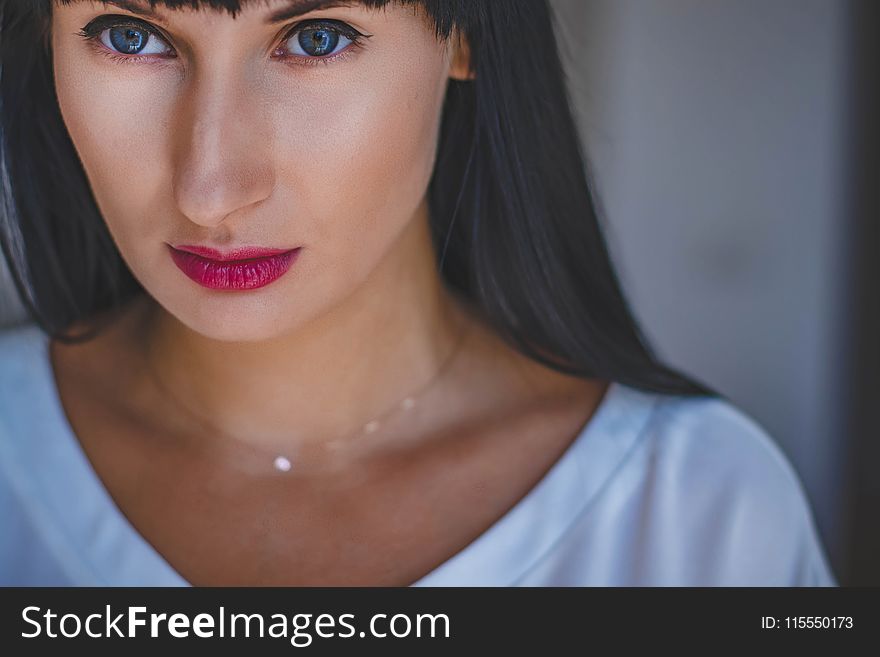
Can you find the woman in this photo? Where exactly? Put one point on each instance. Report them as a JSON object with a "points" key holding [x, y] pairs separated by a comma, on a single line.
{"points": [[320, 297]]}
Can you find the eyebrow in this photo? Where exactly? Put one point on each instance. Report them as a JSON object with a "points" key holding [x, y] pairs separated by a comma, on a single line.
{"points": [[300, 7], [295, 8]]}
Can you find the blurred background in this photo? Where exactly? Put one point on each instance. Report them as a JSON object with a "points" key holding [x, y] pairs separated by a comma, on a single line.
{"points": [[733, 148]]}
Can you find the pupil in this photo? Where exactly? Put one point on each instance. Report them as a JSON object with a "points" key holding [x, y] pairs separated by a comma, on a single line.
{"points": [[318, 41], [127, 40]]}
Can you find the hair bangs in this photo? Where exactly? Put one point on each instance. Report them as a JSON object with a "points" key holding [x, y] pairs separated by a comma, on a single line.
{"points": [[445, 14]]}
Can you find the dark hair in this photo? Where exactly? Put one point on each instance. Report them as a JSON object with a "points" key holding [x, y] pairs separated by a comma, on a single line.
{"points": [[512, 214]]}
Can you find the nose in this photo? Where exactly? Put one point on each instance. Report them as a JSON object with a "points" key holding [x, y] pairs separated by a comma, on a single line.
{"points": [[222, 159]]}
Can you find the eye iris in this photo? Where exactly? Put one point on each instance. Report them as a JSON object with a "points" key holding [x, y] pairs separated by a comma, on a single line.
{"points": [[128, 40], [318, 41]]}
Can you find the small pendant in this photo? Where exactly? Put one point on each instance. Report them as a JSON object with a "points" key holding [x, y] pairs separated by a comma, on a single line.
{"points": [[282, 464]]}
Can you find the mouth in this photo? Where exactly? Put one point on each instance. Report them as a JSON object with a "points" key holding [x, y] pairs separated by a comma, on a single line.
{"points": [[245, 268]]}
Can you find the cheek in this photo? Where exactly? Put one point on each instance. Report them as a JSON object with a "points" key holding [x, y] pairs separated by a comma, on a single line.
{"points": [[113, 121], [360, 154]]}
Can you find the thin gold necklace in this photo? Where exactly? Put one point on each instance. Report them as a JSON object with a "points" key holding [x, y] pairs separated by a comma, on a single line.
{"points": [[281, 462]]}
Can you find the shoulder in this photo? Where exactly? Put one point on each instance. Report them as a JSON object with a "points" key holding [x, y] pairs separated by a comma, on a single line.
{"points": [[40, 471], [710, 436], [722, 480], [24, 366], [22, 413], [22, 354], [697, 436]]}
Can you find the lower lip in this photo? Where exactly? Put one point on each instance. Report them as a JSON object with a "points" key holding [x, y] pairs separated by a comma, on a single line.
{"points": [[248, 274]]}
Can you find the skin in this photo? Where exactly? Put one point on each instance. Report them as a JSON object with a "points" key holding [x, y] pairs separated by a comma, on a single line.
{"points": [[184, 401]]}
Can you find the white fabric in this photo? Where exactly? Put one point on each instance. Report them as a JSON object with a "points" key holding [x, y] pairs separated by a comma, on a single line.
{"points": [[656, 490]]}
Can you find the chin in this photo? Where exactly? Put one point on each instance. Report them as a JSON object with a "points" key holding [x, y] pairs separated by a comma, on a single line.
{"points": [[235, 317], [232, 331]]}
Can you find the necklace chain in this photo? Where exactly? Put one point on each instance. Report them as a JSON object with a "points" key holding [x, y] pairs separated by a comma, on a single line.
{"points": [[282, 463]]}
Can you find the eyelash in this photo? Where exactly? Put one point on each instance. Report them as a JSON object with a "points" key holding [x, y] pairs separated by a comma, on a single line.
{"points": [[93, 31]]}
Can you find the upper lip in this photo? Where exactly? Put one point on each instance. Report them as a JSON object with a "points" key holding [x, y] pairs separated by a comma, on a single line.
{"points": [[238, 253]]}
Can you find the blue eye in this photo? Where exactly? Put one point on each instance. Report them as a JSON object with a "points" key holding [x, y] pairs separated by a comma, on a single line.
{"points": [[319, 41], [311, 42], [125, 36], [133, 40], [128, 40], [322, 40]]}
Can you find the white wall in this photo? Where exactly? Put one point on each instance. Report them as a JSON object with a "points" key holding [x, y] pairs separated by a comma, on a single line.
{"points": [[716, 131]]}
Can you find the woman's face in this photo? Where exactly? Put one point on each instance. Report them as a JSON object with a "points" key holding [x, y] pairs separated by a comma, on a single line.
{"points": [[197, 129]]}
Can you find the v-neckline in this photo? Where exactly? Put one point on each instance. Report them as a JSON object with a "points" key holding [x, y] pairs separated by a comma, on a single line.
{"points": [[113, 552]]}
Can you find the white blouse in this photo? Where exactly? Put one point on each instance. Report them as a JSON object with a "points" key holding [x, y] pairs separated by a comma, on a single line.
{"points": [[656, 490]]}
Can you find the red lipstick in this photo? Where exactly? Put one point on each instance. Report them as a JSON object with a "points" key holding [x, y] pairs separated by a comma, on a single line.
{"points": [[244, 268]]}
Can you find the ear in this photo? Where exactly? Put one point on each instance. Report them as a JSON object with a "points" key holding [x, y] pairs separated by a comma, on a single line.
{"points": [[460, 57]]}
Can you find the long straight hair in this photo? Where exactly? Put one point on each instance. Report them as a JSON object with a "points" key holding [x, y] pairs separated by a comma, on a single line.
{"points": [[513, 217]]}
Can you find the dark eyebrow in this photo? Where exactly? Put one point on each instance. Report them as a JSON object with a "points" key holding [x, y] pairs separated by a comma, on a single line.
{"points": [[133, 7], [294, 8], [299, 7]]}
